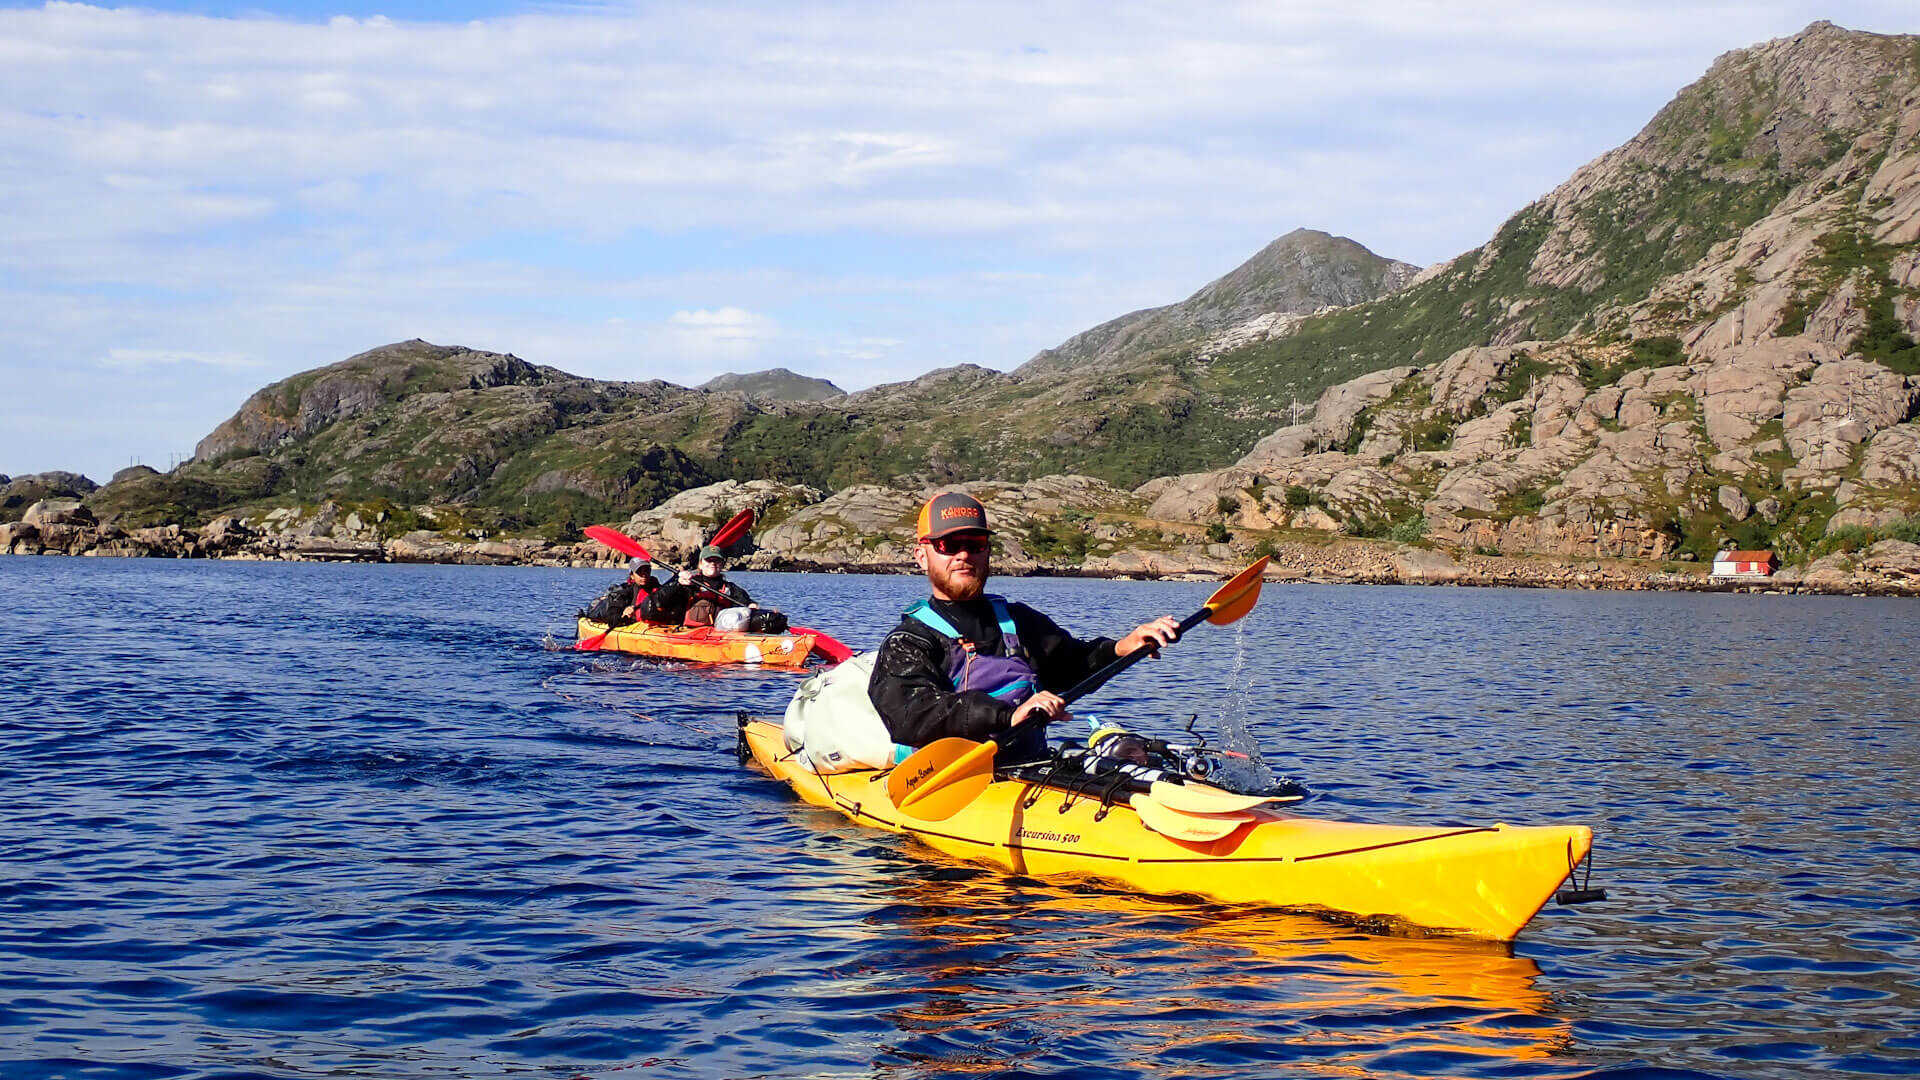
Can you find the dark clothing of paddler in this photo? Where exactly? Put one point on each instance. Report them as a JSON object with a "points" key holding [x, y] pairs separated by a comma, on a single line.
{"points": [[611, 607], [914, 692], [669, 603]]}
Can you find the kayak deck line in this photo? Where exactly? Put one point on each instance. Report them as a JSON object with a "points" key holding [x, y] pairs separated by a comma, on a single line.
{"points": [[855, 807], [1464, 830], [1480, 881]]}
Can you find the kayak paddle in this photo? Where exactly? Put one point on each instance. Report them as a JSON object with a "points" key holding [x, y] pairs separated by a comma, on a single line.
{"points": [[1206, 799], [618, 541], [938, 779], [830, 647], [1185, 824]]}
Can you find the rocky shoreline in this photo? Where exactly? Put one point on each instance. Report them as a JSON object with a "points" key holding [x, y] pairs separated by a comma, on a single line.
{"points": [[61, 527]]}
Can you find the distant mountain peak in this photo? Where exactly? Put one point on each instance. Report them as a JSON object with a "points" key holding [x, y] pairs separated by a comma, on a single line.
{"points": [[1299, 273], [774, 384]]}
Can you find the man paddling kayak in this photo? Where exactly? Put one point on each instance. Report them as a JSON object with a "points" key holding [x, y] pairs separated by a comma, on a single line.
{"points": [[621, 604], [970, 664], [696, 597]]}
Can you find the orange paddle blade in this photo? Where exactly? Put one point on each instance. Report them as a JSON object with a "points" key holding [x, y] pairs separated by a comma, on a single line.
{"points": [[1234, 599], [941, 777]]}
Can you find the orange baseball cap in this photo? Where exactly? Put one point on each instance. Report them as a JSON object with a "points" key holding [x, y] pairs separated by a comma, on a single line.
{"points": [[952, 512]]}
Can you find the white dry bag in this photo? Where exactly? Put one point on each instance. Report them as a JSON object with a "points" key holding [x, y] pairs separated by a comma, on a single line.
{"points": [[832, 722]]}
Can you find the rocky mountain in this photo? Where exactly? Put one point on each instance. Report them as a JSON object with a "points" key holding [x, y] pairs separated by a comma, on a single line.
{"points": [[528, 445], [774, 384], [1301, 273], [20, 492], [1126, 401], [1706, 336]]}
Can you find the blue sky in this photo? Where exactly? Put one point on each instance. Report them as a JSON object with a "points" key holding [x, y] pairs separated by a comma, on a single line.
{"points": [[200, 198]]}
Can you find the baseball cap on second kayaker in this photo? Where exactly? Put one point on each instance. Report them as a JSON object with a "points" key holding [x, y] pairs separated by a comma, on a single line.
{"points": [[638, 565], [710, 552], [951, 512]]}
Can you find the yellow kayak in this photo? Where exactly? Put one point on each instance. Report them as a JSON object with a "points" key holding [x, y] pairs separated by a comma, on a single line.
{"points": [[703, 644], [1480, 880]]}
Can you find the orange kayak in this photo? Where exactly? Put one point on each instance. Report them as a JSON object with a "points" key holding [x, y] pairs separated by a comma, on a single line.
{"points": [[702, 644]]}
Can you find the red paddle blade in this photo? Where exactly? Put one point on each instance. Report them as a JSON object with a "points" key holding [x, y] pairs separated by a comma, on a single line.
{"points": [[618, 541], [734, 529], [825, 644]]}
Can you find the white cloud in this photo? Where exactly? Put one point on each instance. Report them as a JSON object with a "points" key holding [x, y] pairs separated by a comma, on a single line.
{"points": [[676, 189], [140, 359], [724, 324]]}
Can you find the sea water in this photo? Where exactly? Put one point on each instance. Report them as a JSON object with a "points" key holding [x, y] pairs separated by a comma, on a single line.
{"points": [[292, 820]]}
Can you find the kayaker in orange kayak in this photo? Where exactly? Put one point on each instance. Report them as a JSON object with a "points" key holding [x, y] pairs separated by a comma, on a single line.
{"points": [[967, 663], [696, 597], [620, 605]]}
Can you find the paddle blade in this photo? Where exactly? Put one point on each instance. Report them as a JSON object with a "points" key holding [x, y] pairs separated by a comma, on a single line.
{"points": [[825, 644], [733, 530], [1234, 599], [1204, 798], [941, 777], [618, 541], [1181, 825]]}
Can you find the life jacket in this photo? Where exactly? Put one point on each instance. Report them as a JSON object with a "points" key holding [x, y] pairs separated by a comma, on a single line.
{"points": [[1009, 677]]}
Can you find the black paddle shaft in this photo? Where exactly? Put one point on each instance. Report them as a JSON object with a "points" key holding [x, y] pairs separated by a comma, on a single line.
{"points": [[1099, 678]]}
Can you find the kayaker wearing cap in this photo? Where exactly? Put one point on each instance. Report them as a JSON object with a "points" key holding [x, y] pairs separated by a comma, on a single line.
{"points": [[620, 604], [695, 597], [967, 663]]}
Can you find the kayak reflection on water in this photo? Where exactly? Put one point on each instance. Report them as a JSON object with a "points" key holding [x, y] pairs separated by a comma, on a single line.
{"points": [[1126, 983]]}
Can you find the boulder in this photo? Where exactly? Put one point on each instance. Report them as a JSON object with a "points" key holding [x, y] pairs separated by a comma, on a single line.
{"points": [[23, 491], [58, 512], [1422, 565], [1734, 502], [1745, 389], [1333, 417], [1461, 381], [18, 538], [332, 549], [1894, 559], [674, 530], [861, 525], [493, 553], [420, 547]]}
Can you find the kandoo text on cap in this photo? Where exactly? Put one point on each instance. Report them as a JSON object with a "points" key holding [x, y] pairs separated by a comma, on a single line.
{"points": [[951, 512]]}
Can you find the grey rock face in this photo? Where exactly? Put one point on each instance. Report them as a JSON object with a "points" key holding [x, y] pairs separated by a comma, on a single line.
{"points": [[1301, 272]]}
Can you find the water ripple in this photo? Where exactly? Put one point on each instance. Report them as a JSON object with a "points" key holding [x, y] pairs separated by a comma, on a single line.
{"points": [[403, 838]]}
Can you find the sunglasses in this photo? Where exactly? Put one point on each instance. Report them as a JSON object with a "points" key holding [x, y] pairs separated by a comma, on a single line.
{"points": [[954, 545]]}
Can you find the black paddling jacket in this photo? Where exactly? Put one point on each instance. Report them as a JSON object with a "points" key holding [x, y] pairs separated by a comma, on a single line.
{"points": [[609, 607], [915, 697], [668, 604]]}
